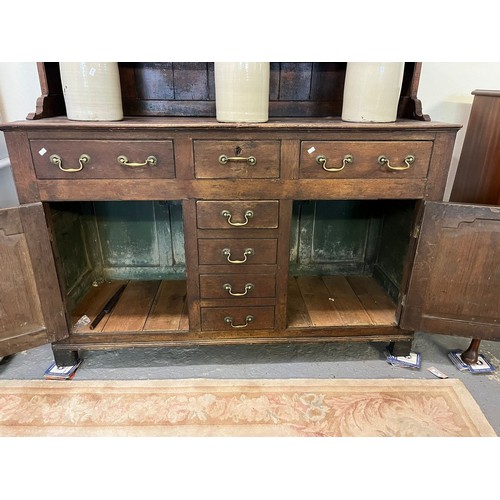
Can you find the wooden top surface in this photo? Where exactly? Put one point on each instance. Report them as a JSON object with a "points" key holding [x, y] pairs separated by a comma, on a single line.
{"points": [[489, 93], [333, 123]]}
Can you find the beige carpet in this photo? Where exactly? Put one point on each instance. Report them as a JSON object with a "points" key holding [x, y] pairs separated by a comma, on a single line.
{"points": [[202, 407]]}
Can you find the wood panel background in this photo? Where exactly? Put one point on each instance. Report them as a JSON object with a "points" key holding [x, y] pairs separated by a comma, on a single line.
{"points": [[297, 89]]}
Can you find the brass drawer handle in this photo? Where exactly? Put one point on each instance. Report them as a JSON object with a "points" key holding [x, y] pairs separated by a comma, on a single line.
{"points": [[227, 253], [228, 287], [409, 159], [57, 160], [248, 320], [323, 160], [227, 214], [150, 160], [224, 159]]}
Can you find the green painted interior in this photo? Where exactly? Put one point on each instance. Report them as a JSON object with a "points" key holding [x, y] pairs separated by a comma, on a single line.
{"points": [[145, 240], [97, 241], [399, 217], [342, 237], [333, 237]]}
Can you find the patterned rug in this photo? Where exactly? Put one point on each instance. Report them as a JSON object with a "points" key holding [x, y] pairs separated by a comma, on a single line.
{"points": [[202, 407]]}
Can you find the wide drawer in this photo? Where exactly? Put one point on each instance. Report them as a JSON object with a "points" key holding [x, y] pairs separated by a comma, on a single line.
{"points": [[101, 159], [364, 159], [236, 159], [237, 252], [237, 286], [237, 318], [228, 214]]}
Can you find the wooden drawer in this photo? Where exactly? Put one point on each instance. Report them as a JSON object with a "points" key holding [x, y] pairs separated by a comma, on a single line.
{"points": [[103, 160], [360, 159], [229, 214], [236, 159], [237, 286], [237, 252], [239, 319]]}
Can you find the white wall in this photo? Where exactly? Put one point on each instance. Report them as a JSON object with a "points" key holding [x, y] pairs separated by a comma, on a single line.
{"points": [[445, 91], [19, 90]]}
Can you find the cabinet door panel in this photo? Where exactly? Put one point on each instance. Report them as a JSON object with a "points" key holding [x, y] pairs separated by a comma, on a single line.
{"points": [[454, 287], [31, 310]]}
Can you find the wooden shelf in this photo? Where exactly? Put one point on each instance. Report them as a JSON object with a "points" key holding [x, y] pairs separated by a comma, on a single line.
{"points": [[147, 306], [319, 301], [299, 89]]}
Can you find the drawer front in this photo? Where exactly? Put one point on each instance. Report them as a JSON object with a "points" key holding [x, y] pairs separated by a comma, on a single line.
{"points": [[236, 159], [75, 159], [237, 252], [237, 286], [360, 159], [244, 214], [239, 319]]}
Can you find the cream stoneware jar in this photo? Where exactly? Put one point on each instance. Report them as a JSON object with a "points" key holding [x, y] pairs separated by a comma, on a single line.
{"points": [[372, 91], [92, 91], [242, 91]]}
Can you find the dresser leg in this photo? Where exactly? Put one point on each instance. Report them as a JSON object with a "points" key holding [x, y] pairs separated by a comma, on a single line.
{"points": [[400, 347], [470, 355], [63, 357]]}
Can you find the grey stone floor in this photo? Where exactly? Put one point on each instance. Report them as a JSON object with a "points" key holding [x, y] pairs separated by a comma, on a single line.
{"points": [[335, 360]]}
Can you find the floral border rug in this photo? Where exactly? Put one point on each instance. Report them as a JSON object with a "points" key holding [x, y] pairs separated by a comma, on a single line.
{"points": [[207, 407]]}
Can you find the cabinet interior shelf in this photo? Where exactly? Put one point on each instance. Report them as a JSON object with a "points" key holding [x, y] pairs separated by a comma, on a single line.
{"points": [[157, 305], [313, 301], [318, 301]]}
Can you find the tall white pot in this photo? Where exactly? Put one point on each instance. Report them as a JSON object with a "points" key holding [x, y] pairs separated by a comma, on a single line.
{"points": [[92, 91], [242, 91], [372, 91]]}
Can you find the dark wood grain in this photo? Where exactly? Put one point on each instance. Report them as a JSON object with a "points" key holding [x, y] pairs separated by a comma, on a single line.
{"points": [[212, 286], [456, 273], [365, 156], [103, 159], [31, 305], [210, 251], [477, 179], [208, 166], [214, 318], [264, 214]]}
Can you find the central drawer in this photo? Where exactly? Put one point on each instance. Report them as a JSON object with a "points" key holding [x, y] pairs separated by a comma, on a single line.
{"points": [[246, 214], [102, 159], [237, 252], [236, 159]]}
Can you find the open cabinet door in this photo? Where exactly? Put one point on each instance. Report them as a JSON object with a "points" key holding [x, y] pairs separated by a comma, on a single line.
{"points": [[454, 287], [31, 309]]}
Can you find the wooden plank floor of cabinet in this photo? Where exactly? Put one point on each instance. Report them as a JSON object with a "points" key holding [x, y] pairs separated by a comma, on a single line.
{"points": [[143, 306], [323, 301], [169, 311]]}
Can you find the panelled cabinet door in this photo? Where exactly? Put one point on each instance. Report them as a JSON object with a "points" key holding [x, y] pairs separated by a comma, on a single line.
{"points": [[454, 286], [31, 310]]}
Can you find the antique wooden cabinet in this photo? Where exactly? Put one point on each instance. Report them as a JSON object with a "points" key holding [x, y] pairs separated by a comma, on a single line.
{"points": [[301, 229]]}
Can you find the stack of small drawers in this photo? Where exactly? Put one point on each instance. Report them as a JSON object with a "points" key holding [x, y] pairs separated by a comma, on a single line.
{"points": [[237, 240], [237, 248]]}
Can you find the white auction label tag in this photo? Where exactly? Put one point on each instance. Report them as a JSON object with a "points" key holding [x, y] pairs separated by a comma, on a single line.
{"points": [[311, 150], [42, 151], [92, 71]]}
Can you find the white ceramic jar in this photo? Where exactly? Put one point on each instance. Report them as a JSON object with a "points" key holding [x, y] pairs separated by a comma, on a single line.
{"points": [[92, 91], [242, 91], [372, 91]]}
